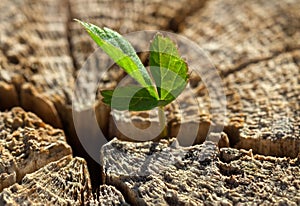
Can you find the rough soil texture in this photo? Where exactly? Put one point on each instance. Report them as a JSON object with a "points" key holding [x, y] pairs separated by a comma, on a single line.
{"points": [[64, 182], [35, 59], [42, 48], [26, 145], [42, 52], [257, 55], [255, 48], [107, 195], [166, 174], [237, 33], [262, 106], [265, 106]]}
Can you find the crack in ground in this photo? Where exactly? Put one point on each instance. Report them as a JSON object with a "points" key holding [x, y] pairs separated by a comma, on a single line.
{"points": [[175, 23], [246, 63]]}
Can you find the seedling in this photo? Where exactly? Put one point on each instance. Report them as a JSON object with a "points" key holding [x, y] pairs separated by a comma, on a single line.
{"points": [[158, 86]]}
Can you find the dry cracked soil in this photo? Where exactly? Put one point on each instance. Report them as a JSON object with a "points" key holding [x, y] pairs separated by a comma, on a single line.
{"points": [[254, 160]]}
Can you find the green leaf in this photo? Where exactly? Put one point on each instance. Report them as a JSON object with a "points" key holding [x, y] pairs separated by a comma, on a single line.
{"points": [[168, 69], [121, 51], [132, 98]]}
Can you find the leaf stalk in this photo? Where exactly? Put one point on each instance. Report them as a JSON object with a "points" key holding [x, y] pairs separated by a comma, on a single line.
{"points": [[162, 122]]}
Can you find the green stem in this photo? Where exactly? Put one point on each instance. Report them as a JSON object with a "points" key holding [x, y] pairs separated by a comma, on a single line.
{"points": [[162, 122]]}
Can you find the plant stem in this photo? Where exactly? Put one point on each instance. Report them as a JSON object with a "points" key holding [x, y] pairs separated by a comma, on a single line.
{"points": [[162, 122]]}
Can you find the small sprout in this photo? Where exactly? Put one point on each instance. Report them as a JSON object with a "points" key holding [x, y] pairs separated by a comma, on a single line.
{"points": [[158, 87]]}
